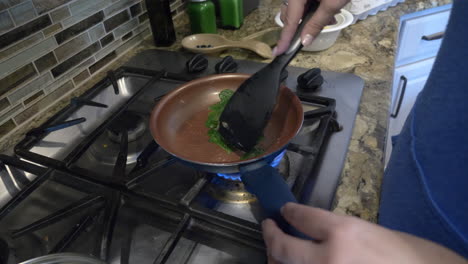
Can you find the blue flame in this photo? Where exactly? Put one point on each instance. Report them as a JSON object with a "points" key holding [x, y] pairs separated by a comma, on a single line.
{"points": [[230, 176], [275, 163], [237, 177]]}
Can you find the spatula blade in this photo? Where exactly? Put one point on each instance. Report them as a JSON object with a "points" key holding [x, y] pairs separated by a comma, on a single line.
{"points": [[249, 110]]}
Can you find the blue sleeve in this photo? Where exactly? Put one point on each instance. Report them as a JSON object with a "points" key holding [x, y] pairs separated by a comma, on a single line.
{"points": [[425, 186]]}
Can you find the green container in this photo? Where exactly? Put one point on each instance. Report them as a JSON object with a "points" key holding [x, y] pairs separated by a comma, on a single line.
{"points": [[232, 13], [202, 16]]}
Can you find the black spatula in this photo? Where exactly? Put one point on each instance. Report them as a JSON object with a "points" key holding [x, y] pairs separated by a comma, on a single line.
{"points": [[249, 109]]}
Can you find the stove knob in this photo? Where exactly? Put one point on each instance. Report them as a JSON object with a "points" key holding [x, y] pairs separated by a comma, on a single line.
{"points": [[310, 80], [284, 75], [197, 63], [226, 65]]}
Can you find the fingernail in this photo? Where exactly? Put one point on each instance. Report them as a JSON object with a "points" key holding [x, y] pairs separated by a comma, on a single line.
{"points": [[275, 49], [307, 40], [282, 209], [263, 224]]}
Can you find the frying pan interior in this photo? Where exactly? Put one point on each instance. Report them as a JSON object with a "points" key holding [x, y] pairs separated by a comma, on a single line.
{"points": [[177, 122]]}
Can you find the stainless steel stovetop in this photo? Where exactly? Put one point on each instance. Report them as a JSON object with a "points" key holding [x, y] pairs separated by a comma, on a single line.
{"points": [[96, 183]]}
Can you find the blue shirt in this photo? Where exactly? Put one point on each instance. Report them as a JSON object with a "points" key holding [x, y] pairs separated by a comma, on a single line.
{"points": [[425, 186]]}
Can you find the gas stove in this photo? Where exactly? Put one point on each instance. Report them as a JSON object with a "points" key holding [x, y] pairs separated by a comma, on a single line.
{"points": [[92, 181]]}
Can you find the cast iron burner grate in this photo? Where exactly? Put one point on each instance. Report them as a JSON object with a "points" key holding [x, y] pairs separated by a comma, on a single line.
{"points": [[131, 129], [101, 210], [191, 219]]}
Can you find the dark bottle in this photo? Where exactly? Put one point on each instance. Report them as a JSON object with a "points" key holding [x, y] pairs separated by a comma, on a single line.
{"points": [[160, 18]]}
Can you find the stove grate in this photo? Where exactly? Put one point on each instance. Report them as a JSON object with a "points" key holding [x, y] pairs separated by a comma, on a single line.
{"points": [[123, 187]]}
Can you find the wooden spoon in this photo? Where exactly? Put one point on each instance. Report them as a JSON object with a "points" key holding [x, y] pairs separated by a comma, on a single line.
{"points": [[270, 36], [213, 43]]}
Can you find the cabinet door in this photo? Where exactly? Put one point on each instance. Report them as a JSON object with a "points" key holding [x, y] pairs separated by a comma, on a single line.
{"points": [[407, 83]]}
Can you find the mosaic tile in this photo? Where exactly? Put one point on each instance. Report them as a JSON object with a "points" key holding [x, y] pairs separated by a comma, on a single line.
{"points": [[78, 79], [79, 27], [71, 47], [35, 85], [20, 45], [60, 14], [16, 78], [116, 20], [33, 97], [52, 29], [45, 62], [102, 62], [23, 12], [10, 113], [27, 55], [5, 21], [75, 60], [25, 30], [43, 103], [43, 6], [107, 39], [7, 127]]}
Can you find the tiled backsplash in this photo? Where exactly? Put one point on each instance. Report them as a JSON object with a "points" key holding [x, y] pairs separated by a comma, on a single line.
{"points": [[49, 47]]}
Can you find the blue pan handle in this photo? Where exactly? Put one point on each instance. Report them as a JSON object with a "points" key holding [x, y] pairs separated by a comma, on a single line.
{"points": [[271, 190]]}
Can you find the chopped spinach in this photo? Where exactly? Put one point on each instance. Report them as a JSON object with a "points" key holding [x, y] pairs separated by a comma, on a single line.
{"points": [[215, 137], [217, 109], [256, 151], [213, 120]]}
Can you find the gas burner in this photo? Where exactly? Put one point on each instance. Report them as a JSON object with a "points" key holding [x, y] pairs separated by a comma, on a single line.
{"points": [[233, 190], [229, 191], [107, 146], [133, 123], [237, 176]]}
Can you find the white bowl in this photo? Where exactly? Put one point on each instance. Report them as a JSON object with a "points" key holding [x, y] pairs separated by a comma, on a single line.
{"points": [[329, 34]]}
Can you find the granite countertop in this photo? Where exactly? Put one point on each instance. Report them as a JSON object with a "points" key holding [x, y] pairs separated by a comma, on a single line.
{"points": [[366, 49]]}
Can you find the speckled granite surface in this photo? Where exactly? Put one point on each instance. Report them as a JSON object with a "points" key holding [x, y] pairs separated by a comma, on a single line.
{"points": [[365, 49]]}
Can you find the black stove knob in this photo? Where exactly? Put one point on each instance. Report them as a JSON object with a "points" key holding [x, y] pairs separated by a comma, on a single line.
{"points": [[310, 80], [226, 65], [197, 63], [284, 75]]}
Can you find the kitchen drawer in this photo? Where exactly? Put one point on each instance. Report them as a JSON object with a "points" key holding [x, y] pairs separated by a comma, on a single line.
{"points": [[408, 81], [421, 34]]}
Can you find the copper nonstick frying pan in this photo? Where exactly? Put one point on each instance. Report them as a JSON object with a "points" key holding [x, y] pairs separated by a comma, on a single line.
{"points": [[177, 124]]}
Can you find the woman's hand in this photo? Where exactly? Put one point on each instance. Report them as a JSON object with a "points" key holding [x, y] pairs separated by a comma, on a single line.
{"points": [[345, 239], [292, 13]]}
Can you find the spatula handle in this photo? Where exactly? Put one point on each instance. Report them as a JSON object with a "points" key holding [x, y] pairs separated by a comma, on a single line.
{"points": [[296, 44], [272, 193]]}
